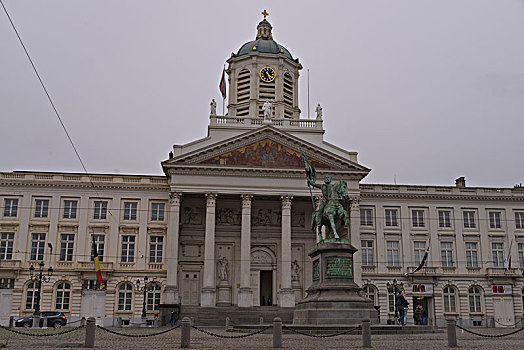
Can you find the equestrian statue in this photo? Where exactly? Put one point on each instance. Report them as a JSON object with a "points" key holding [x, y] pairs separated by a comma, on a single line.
{"points": [[329, 209]]}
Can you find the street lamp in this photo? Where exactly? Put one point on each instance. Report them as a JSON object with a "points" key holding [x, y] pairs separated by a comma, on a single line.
{"points": [[395, 288], [39, 278], [143, 289]]}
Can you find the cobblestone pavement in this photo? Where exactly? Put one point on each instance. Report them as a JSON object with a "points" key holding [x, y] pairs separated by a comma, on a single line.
{"points": [[171, 340]]}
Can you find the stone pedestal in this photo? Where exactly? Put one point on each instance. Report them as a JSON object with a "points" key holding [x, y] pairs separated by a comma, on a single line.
{"points": [[334, 298], [245, 297], [223, 294], [208, 297], [286, 297]]}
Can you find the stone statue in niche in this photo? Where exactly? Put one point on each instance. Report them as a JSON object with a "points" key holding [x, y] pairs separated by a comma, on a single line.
{"points": [[193, 215], [228, 216], [295, 270], [223, 269]]}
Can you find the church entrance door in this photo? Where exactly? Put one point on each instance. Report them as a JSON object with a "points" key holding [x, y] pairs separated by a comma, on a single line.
{"points": [[266, 286], [191, 288]]}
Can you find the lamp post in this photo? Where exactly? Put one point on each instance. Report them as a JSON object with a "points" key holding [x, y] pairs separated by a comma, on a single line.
{"points": [[39, 278], [395, 288], [143, 289]]}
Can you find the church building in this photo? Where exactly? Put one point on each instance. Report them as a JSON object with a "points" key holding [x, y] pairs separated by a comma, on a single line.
{"points": [[229, 222]]}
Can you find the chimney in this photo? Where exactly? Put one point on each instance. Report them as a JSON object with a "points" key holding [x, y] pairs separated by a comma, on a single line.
{"points": [[460, 182]]}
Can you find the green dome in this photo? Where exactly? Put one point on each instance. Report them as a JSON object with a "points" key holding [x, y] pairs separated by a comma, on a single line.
{"points": [[265, 46]]}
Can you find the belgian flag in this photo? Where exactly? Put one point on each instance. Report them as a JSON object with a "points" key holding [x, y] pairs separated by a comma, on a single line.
{"points": [[222, 85], [99, 280]]}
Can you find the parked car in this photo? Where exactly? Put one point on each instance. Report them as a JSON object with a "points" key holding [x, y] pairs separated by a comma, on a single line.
{"points": [[49, 318]]}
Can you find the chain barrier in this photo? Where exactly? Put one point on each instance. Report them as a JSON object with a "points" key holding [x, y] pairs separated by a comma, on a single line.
{"points": [[137, 335], [41, 334], [490, 335], [508, 325], [80, 320], [232, 336], [317, 335]]}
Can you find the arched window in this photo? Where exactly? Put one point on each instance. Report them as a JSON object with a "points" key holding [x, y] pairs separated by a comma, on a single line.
{"points": [[243, 92], [125, 297], [370, 292], [153, 296], [63, 296], [31, 295], [474, 299], [288, 94], [450, 299]]}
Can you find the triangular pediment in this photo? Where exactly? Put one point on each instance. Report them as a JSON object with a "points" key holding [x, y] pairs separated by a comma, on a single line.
{"points": [[265, 148]]}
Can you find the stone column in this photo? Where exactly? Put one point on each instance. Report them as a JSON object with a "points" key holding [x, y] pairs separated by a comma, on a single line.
{"points": [[171, 295], [354, 238], [208, 298], [286, 293], [245, 294]]}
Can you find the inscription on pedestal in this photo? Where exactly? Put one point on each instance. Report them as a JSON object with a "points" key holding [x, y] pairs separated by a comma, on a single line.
{"points": [[316, 271], [339, 269]]}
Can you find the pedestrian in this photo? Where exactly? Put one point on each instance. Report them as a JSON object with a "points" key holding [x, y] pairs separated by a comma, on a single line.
{"points": [[402, 304], [172, 320], [418, 315]]}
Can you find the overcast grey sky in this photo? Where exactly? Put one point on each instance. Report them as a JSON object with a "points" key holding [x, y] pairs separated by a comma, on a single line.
{"points": [[425, 91]]}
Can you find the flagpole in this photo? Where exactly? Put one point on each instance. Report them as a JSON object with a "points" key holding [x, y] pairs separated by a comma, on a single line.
{"points": [[223, 98]]}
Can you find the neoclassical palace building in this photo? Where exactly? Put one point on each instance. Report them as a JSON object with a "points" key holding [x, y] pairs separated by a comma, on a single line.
{"points": [[229, 222]]}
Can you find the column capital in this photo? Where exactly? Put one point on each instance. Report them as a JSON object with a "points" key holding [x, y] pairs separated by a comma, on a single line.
{"points": [[286, 201], [174, 198], [211, 199], [246, 200], [355, 203]]}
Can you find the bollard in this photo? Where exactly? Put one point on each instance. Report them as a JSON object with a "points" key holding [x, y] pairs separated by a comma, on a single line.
{"points": [[36, 321], [261, 320], [366, 333], [83, 321], [90, 332], [11, 321], [227, 323], [452, 333], [185, 340], [277, 332], [119, 322]]}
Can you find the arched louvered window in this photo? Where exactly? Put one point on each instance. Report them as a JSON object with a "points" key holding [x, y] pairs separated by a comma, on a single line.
{"points": [[243, 90]]}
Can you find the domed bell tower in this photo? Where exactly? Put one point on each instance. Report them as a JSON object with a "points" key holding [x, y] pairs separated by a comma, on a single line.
{"points": [[263, 70]]}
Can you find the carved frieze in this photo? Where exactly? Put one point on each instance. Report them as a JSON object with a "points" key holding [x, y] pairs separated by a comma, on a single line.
{"points": [[298, 218], [228, 216], [193, 215], [266, 217]]}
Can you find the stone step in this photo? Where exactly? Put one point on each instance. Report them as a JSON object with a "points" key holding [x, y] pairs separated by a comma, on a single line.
{"points": [[216, 316]]}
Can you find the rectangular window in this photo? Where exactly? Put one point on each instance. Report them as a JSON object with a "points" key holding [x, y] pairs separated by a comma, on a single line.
{"points": [[130, 210], [419, 248], [520, 248], [66, 247], [472, 254], [497, 250], [157, 211], [494, 219], [444, 218], [100, 210], [41, 208], [469, 219], [155, 249], [519, 220], [418, 218], [128, 249], [446, 253], [366, 217], [367, 253], [70, 208], [37, 246], [6, 245], [100, 244], [391, 217], [393, 253], [10, 207], [7, 283]]}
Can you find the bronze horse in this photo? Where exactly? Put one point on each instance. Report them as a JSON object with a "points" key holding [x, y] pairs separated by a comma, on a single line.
{"points": [[333, 211]]}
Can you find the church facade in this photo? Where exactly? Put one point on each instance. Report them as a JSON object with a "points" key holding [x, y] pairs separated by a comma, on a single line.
{"points": [[229, 223]]}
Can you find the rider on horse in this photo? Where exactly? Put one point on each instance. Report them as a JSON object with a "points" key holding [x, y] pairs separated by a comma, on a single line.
{"points": [[327, 193]]}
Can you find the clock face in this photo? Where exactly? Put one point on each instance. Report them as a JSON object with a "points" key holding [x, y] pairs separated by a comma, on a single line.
{"points": [[267, 74]]}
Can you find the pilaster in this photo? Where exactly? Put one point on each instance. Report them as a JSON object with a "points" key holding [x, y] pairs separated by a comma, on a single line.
{"points": [[354, 237]]}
